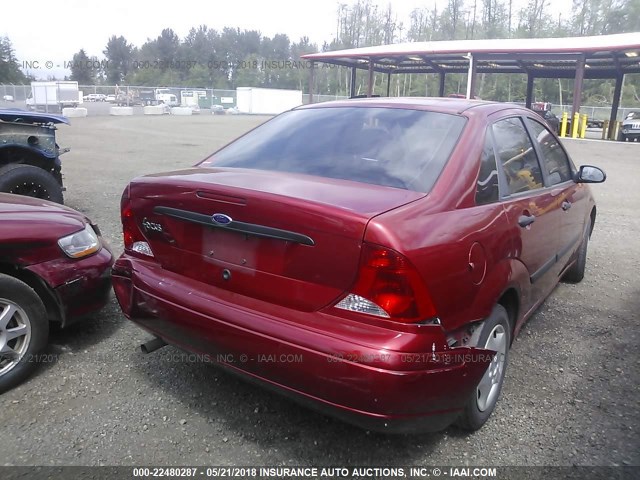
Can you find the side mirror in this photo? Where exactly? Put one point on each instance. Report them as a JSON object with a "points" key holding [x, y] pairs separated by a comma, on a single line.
{"points": [[590, 174]]}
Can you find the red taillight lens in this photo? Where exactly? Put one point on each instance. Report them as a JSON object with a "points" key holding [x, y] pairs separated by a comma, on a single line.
{"points": [[134, 241], [130, 230], [389, 280]]}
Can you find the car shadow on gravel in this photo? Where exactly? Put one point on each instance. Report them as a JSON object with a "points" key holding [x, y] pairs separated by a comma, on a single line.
{"points": [[249, 415]]}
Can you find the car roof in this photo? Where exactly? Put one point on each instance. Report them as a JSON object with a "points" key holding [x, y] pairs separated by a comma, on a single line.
{"points": [[438, 104]]}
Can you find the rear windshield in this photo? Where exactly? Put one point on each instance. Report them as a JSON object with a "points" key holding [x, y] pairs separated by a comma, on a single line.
{"points": [[383, 146]]}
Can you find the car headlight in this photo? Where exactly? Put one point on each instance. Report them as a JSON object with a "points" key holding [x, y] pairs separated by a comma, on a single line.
{"points": [[80, 244]]}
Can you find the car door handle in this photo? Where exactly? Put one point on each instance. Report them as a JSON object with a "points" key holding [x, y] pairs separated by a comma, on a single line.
{"points": [[566, 206], [526, 220]]}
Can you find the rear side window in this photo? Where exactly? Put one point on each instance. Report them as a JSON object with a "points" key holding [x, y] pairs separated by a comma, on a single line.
{"points": [[383, 146], [516, 156], [487, 185], [554, 159]]}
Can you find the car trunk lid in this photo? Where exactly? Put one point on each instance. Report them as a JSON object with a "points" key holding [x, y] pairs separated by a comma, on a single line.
{"points": [[289, 239]]}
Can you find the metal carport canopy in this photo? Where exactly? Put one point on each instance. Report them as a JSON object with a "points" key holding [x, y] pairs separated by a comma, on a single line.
{"points": [[596, 57]]}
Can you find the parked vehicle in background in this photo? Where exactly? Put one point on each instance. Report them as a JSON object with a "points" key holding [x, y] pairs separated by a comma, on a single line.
{"points": [[147, 96], [29, 155], [7, 98], [164, 96], [95, 97], [218, 110], [595, 123], [110, 99], [52, 97], [371, 258], [630, 131], [54, 267], [544, 110]]}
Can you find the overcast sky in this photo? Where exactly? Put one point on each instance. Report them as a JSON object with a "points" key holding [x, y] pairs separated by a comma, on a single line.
{"points": [[44, 30]]}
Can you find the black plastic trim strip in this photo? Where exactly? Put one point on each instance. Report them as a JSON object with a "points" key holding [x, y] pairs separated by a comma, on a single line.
{"points": [[543, 269], [569, 246], [235, 226]]}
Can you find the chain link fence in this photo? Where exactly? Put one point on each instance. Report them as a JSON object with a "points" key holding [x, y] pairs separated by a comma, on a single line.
{"points": [[208, 97], [18, 93], [141, 95]]}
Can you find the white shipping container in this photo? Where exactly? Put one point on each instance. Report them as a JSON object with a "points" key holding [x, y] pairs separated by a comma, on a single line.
{"points": [[266, 101], [53, 94]]}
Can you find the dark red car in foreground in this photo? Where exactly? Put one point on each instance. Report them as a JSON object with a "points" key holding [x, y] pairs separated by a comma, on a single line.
{"points": [[54, 267], [373, 258]]}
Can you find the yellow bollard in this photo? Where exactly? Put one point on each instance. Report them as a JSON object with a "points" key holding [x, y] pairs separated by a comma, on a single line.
{"points": [[605, 130], [574, 125], [563, 125], [583, 126], [615, 130]]}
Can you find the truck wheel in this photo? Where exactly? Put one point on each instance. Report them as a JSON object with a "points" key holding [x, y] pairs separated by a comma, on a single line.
{"points": [[24, 330], [31, 181]]}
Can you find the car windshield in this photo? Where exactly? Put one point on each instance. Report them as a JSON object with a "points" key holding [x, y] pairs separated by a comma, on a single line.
{"points": [[392, 147], [633, 116]]}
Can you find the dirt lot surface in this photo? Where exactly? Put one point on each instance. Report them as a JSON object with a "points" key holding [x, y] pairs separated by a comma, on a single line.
{"points": [[571, 395]]}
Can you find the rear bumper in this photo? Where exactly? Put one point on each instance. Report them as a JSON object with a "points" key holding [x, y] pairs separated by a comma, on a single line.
{"points": [[369, 376]]}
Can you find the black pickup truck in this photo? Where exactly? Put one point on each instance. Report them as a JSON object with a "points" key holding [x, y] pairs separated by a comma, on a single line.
{"points": [[29, 155]]}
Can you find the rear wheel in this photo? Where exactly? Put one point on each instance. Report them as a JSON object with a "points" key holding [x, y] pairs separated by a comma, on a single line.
{"points": [[495, 336], [21, 179], [24, 330]]}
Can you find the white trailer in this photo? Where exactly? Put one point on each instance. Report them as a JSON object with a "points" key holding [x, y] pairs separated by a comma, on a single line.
{"points": [[266, 101], [53, 96]]}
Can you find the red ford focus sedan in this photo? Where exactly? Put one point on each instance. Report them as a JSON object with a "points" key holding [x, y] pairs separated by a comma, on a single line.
{"points": [[372, 258]]}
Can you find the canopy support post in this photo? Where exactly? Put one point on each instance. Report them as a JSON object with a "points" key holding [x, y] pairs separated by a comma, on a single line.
{"points": [[311, 81], [529, 99], [370, 84], [352, 88], [577, 86], [617, 93], [471, 77]]}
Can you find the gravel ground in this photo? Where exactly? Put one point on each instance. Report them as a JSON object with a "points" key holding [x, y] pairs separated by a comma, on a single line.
{"points": [[571, 393]]}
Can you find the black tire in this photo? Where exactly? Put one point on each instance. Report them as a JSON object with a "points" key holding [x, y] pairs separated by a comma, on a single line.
{"points": [[30, 181], [476, 413], [23, 309], [575, 274]]}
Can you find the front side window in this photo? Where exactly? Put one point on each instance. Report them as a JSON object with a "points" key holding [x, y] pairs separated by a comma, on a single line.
{"points": [[392, 147], [516, 156], [554, 159]]}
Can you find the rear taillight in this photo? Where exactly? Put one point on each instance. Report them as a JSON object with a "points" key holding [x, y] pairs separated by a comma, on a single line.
{"points": [[134, 241], [388, 286]]}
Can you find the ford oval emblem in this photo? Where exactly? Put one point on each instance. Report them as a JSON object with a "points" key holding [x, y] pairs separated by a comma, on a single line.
{"points": [[221, 219]]}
